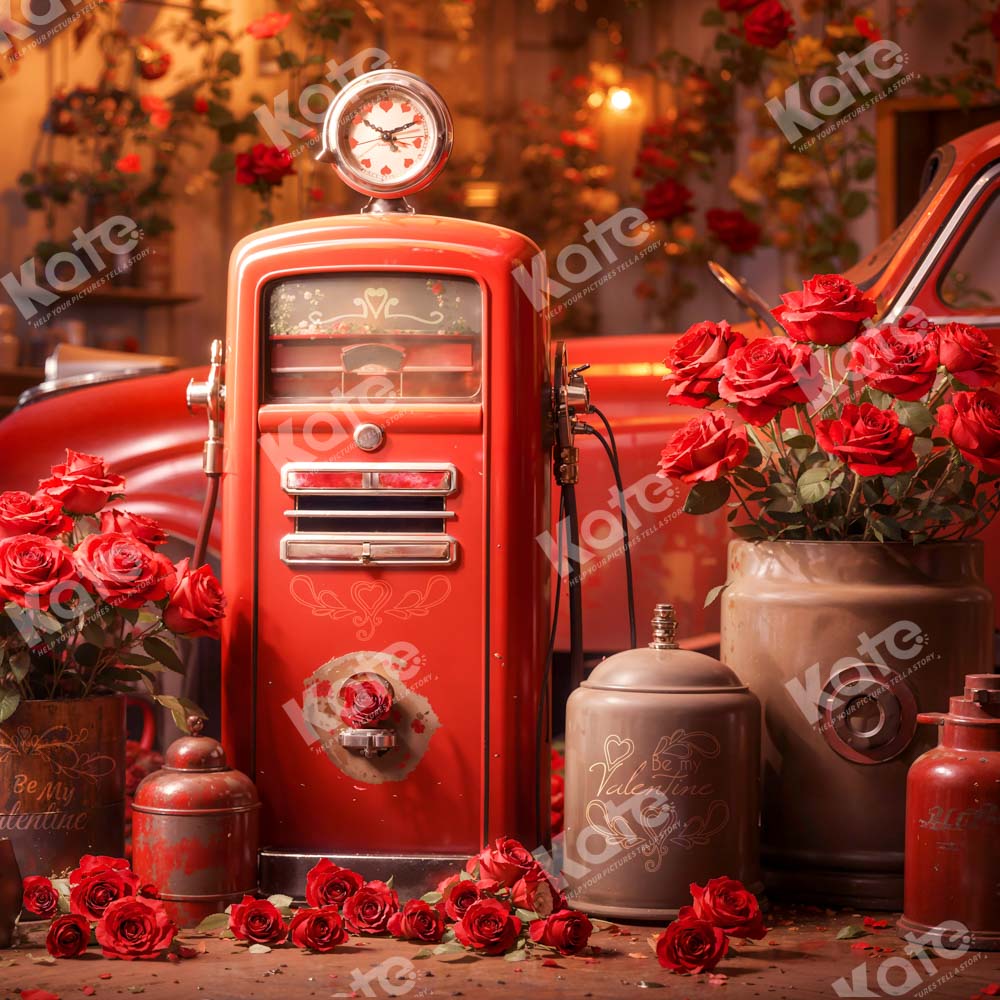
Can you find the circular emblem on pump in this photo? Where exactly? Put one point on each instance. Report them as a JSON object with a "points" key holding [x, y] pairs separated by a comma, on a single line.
{"points": [[388, 134], [369, 437]]}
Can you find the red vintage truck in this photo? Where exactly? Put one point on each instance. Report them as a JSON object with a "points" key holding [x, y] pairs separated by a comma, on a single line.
{"points": [[943, 259]]}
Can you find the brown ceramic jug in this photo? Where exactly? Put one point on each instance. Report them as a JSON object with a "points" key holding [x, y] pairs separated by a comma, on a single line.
{"points": [[662, 779], [10, 891]]}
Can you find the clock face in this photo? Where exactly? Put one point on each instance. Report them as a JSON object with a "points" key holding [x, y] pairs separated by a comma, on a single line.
{"points": [[388, 134]]}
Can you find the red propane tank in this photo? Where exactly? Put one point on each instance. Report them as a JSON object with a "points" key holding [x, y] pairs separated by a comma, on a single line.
{"points": [[194, 829], [952, 867]]}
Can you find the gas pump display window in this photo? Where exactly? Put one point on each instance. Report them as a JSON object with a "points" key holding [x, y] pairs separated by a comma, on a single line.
{"points": [[374, 335]]}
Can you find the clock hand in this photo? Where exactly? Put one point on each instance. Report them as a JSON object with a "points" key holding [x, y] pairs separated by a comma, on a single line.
{"points": [[399, 128], [380, 131]]}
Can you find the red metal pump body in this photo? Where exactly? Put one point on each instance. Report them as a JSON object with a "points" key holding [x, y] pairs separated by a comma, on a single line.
{"points": [[952, 866], [386, 477]]}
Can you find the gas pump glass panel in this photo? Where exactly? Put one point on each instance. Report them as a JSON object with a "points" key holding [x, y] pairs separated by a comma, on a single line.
{"points": [[374, 335]]}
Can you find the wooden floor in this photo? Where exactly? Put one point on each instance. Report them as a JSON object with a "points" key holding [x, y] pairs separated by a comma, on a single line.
{"points": [[800, 957]]}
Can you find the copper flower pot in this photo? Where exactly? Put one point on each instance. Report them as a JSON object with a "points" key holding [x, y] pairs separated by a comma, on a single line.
{"points": [[845, 643], [62, 778], [10, 891]]}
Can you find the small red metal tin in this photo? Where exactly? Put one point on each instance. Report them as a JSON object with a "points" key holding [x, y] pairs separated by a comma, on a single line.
{"points": [[194, 830], [952, 866]]}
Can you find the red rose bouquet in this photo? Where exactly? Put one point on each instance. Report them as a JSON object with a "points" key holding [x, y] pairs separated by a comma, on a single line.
{"points": [[845, 428], [92, 604]]}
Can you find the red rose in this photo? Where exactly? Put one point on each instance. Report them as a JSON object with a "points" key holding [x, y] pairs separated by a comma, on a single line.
{"points": [[152, 59], [536, 892], [506, 861], [40, 896], [488, 926], [31, 514], [263, 166], [871, 441], [257, 921], [98, 887], [68, 936], [417, 921], [269, 25], [329, 885], [730, 906], [668, 199], [197, 603], [733, 229], [138, 525], [971, 421], [318, 930], [899, 361], [135, 928], [35, 570], [91, 863], [695, 362], [829, 311], [366, 702], [83, 484], [568, 931], [690, 945], [122, 570], [704, 449], [369, 909], [767, 375], [458, 894], [768, 24], [967, 353]]}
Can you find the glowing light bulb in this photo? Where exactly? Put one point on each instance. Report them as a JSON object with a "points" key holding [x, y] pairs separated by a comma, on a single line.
{"points": [[620, 98]]}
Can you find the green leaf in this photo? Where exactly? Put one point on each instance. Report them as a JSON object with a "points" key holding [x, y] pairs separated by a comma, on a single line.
{"points": [[880, 399], [422, 953], [710, 598], [914, 415], [163, 652], [432, 897], [815, 491], [288, 59], [516, 956], [864, 169], [712, 17], [180, 709], [796, 439], [854, 204], [526, 915], [135, 660], [87, 654], [850, 932], [213, 922], [10, 698], [279, 900], [754, 458], [131, 615], [224, 162], [748, 531], [20, 664], [706, 497], [390, 880], [753, 477], [229, 62]]}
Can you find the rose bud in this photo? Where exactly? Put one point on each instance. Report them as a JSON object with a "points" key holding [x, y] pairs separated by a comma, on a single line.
{"points": [[329, 885], [488, 926], [83, 484], [568, 931], [257, 921], [417, 921], [135, 928], [319, 929], [691, 945], [68, 936], [369, 909], [197, 603], [40, 896], [730, 906]]}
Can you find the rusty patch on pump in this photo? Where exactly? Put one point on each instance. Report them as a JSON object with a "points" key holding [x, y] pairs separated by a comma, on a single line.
{"points": [[412, 719]]}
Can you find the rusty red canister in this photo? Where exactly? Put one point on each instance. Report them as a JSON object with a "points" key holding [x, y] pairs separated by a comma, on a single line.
{"points": [[952, 866], [194, 829]]}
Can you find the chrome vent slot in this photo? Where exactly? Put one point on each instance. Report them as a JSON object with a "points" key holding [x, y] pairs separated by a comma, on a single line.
{"points": [[368, 514]]}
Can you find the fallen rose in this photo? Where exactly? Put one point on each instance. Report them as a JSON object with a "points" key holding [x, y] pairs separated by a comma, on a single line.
{"points": [[328, 884], [135, 928], [730, 906], [535, 892], [506, 860], [257, 921], [488, 926], [68, 936], [690, 945], [368, 910], [568, 931], [417, 921], [458, 894], [97, 887], [319, 929], [39, 896]]}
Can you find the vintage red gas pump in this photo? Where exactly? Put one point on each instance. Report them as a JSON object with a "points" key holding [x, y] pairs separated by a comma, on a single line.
{"points": [[390, 415]]}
